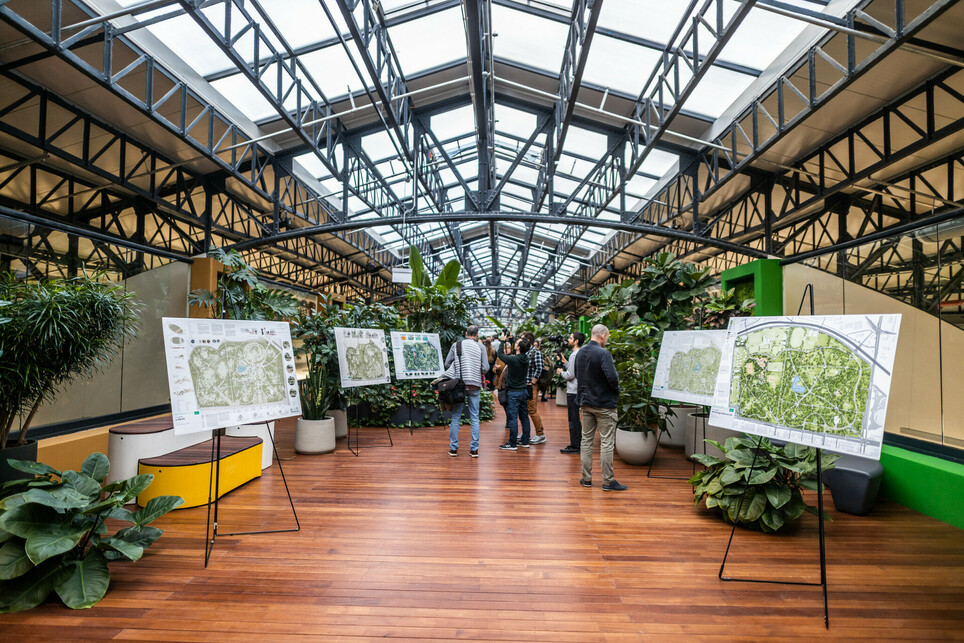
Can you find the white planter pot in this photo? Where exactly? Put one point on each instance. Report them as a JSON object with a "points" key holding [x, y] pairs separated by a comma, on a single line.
{"points": [[561, 397], [695, 444], [341, 422], [634, 447], [677, 427], [315, 436], [693, 440], [261, 431]]}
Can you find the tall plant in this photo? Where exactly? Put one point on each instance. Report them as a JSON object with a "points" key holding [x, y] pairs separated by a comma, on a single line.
{"points": [[239, 293], [316, 330], [667, 290], [635, 350], [57, 331], [716, 311]]}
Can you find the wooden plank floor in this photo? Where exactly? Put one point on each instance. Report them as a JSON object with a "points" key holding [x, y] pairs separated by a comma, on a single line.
{"points": [[408, 542]]}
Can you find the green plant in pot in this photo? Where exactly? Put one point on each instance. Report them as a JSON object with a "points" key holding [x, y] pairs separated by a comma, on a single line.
{"points": [[56, 332], [773, 479], [55, 536], [715, 311], [635, 350], [315, 331]]}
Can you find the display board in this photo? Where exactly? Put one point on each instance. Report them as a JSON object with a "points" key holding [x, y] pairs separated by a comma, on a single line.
{"points": [[688, 363], [417, 355], [224, 373], [818, 381], [362, 356]]}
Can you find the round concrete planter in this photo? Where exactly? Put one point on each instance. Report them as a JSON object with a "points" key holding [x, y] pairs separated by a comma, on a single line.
{"points": [[634, 447], [315, 436], [694, 438], [677, 427], [561, 397], [341, 422], [260, 431]]}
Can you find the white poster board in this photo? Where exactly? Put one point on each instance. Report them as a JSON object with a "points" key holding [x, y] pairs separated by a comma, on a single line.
{"points": [[417, 355], [688, 363], [362, 356], [820, 381], [224, 372]]}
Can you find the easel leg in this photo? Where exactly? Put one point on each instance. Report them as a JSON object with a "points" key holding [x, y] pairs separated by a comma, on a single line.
{"points": [[210, 535]]}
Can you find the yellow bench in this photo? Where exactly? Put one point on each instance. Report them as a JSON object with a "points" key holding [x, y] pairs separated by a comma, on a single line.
{"points": [[187, 472]]}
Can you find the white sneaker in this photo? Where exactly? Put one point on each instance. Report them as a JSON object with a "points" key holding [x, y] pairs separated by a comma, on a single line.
{"points": [[539, 439]]}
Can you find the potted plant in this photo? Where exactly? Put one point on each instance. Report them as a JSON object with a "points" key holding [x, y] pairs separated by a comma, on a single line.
{"points": [[315, 431], [315, 331], [56, 536], [773, 479], [634, 351], [56, 332]]}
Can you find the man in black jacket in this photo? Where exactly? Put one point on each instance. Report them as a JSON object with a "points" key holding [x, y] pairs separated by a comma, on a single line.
{"points": [[597, 396]]}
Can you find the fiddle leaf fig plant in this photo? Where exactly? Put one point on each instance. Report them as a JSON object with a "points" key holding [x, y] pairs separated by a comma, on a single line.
{"points": [[772, 477], [54, 534]]}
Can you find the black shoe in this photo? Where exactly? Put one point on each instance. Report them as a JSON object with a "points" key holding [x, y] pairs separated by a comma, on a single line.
{"points": [[524, 445], [569, 450], [453, 452], [474, 454], [508, 447], [585, 483], [614, 486]]}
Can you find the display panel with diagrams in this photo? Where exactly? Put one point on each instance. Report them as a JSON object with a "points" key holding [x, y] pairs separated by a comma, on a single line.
{"points": [[417, 355], [224, 372], [821, 381], [362, 356], [688, 363]]}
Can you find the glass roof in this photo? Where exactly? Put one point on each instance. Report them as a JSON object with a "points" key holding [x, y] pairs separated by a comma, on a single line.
{"points": [[429, 42]]}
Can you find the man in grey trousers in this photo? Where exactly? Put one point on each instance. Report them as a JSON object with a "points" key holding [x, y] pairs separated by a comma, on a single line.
{"points": [[597, 396]]}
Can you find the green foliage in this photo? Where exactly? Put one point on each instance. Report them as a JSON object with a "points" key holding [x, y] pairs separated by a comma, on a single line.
{"points": [[54, 534], [240, 295], [616, 304], [635, 350], [433, 309], [420, 276], [716, 311], [56, 332], [668, 288], [775, 476], [321, 390]]}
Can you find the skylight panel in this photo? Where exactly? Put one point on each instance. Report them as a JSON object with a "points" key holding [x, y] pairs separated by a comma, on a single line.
{"points": [[619, 65], [654, 21], [761, 37], [716, 91], [515, 121], [447, 42], [584, 142], [332, 70], [183, 36], [378, 145], [453, 123], [301, 22], [247, 98], [657, 162], [528, 39]]}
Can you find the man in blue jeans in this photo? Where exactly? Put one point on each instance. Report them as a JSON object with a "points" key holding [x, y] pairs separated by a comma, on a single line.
{"points": [[515, 382], [470, 367]]}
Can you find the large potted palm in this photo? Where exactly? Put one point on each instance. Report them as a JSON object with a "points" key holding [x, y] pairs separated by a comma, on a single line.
{"points": [[315, 331], [56, 332], [315, 431]]}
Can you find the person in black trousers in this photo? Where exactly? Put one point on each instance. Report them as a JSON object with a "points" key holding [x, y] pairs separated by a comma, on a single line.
{"points": [[572, 387]]}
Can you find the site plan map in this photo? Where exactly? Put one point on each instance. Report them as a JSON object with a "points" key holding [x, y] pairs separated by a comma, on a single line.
{"points": [[818, 381], [362, 356], [417, 355], [688, 363], [225, 373]]}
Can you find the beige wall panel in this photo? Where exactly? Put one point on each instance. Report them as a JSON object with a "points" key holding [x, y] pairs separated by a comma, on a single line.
{"points": [[952, 369], [163, 293]]}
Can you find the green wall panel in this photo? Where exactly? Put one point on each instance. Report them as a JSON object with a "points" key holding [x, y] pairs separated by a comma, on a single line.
{"points": [[932, 486]]}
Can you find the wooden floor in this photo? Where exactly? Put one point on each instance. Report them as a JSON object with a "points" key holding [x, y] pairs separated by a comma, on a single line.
{"points": [[408, 542]]}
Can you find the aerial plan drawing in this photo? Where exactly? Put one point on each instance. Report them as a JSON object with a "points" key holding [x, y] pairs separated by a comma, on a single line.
{"points": [[417, 355], [225, 372], [362, 356], [821, 381], [687, 366]]}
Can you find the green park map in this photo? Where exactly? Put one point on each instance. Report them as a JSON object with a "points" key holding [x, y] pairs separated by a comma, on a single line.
{"points": [[365, 361], [238, 373], [800, 378], [420, 356], [694, 371]]}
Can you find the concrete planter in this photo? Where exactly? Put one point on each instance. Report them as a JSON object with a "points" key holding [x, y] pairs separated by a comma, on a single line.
{"points": [[27, 451], [261, 431], [677, 427], [634, 447], [340, 416], [315, 436], [694, 440], [561, 397]]}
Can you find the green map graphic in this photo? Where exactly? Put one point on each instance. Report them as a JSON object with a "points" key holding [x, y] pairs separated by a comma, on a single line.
{"points": [[800, 378], [420, 356], [694, 371], [237, 374], [365, 362]]}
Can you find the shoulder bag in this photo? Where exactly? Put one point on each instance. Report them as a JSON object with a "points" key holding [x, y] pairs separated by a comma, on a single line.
{"points": [[451, 389]]}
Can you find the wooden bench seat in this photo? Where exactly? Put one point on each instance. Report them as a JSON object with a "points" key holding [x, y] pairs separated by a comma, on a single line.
{"points": [[133, 441], [186, 472]]}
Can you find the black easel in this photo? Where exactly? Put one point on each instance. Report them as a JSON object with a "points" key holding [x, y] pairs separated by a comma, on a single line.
{"points": [[823, 548], [210, 535], [358, 429]]}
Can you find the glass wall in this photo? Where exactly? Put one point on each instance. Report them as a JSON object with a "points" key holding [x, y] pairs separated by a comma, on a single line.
{"points": [[919, 275]]}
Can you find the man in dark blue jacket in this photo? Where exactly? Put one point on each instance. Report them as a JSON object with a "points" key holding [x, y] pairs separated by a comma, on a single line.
{"points": [[597, 396]]}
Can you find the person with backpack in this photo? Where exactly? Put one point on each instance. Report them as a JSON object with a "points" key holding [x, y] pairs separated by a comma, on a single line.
{"points": [[536, 367], [516, 368], [468, 362]]}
